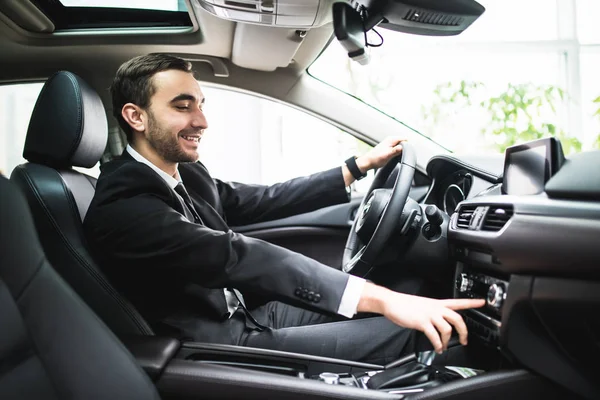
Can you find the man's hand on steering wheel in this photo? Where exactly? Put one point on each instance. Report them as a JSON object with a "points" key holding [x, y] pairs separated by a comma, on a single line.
{"points": [[377, 157], [435, 318]]}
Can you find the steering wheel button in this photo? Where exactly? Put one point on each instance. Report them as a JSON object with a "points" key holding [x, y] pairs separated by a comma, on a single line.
{"points": [[317, 298], [298, 292]]}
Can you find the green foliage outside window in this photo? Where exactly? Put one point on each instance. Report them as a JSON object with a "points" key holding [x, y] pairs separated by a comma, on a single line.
{"points": [[597, 114], [516, 114]]}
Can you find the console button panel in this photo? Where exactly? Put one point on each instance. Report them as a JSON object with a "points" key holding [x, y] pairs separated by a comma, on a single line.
{"points": [[471, 283]]}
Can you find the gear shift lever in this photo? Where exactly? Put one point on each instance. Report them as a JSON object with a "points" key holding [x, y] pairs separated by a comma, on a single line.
{"points": [[426, 357], [424, 349]]}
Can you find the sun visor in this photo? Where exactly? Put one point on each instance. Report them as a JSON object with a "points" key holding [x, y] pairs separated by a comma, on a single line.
{"points": [[249, 49]]}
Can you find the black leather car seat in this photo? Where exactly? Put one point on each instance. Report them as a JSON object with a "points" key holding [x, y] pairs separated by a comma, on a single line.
{"points": [[68, 128], [51, 345]]}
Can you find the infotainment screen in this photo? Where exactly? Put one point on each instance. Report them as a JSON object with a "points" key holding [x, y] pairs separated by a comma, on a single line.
{"points": [[527, 167]]}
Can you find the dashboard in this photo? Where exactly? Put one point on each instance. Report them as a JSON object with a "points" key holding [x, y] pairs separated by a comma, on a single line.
{"points": [[534, 257], [454, 181]]}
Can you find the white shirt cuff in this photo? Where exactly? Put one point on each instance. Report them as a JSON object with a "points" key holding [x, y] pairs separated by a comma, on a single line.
{"points": [[351, 296]]}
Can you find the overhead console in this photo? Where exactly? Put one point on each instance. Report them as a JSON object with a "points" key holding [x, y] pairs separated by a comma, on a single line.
{"points": [[280, 13]]}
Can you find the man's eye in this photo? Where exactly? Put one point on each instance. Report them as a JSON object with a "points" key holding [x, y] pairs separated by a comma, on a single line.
{"points": [[182, 107]]}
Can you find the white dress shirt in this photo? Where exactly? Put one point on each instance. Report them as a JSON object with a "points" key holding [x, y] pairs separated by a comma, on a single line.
{"points": [[354, 287]]}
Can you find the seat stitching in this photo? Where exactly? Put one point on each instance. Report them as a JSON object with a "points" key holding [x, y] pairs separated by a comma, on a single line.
{"points": [[88, 268], [31, 339], [18, 358], [79, 105]]}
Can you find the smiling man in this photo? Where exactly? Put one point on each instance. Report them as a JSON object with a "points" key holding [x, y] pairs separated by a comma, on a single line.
{"points": [[169, 248]]}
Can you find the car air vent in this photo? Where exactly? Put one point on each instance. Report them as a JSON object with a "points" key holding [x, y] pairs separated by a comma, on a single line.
{"points": [[496, 218], [465, 213], [432, 18]]}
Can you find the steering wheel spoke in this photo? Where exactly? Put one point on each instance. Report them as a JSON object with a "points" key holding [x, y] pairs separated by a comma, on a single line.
{"points": [[349, 266]]}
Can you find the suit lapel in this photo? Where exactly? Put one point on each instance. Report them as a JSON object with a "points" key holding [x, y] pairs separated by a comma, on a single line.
{"points": [[183, 208]]}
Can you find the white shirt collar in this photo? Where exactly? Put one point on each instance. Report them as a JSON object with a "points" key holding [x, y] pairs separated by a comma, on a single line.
{"points": [[172, 182]]}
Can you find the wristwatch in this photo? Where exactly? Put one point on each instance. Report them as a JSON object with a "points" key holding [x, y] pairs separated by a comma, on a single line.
{"points": [[353, 168]]}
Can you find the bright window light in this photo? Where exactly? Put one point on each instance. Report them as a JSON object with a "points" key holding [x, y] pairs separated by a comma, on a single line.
{"points": [[164, 5]]}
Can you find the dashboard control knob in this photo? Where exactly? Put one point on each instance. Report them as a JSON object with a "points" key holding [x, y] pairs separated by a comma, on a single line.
{"points": [[495, 295], [465, 283], [434, 215], [329, 377]]}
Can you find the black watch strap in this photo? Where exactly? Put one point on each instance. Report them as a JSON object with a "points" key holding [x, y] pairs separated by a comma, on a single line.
{"points": [[354, 170]]}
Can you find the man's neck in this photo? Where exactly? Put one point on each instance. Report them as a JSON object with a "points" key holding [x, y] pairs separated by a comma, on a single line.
{"points": [[146, 151]]}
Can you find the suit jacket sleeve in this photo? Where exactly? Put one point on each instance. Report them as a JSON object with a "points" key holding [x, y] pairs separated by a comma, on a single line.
{"points": [[133, 219], [248, 204]]}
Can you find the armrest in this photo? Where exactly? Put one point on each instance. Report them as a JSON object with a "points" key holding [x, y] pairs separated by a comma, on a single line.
{"points": [[281, 362], [183, 379], [152, 353]]}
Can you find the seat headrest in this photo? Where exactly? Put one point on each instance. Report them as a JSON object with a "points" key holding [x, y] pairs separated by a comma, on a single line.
{"points": [[68, 126]]}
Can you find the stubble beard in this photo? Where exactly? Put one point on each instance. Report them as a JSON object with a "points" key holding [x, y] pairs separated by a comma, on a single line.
{"points": [[165, 144]]}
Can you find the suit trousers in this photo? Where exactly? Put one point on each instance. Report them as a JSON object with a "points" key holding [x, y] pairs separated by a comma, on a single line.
{"points": [[365, 338]]}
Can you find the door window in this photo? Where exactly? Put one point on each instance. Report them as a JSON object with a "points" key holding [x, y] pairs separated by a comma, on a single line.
{"points": [[254, 140]]}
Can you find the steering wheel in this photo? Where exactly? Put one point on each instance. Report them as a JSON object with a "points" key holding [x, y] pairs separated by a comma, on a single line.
{"points": [[379, 214]]}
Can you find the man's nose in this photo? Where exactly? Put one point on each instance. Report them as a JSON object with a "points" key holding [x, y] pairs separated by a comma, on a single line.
{"points": [[199, 120]]}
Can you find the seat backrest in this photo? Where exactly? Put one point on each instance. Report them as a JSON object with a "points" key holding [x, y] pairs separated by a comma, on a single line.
{"points": [[52, 346], [68, 128]]}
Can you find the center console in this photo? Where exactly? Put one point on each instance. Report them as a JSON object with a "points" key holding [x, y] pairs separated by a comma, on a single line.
{"points": [[473, 283], [202, 370]]}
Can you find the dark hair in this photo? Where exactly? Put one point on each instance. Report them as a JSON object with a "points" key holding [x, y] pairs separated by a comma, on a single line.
{"points": [[133, 82]]}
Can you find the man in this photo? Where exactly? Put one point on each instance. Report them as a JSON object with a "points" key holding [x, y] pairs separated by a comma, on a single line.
{"points": [[171, 252]]}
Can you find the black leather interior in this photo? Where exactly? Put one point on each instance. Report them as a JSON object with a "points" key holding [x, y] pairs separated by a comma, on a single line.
{"points": [[152, 353], [516, 384], [69, 128], [51, 345], [183, 379]]}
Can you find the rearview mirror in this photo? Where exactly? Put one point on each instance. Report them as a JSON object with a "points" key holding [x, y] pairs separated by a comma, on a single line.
{"points": [[350, 31]]}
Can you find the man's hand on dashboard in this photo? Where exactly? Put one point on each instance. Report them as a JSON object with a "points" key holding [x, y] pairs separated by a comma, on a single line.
{"points": [[435, 318]]}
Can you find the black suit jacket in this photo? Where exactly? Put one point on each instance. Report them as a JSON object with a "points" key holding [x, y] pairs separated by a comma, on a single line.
{"points": [[147, 242]]}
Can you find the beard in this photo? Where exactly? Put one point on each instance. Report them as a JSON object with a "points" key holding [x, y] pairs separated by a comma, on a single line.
{"points": [[167, 145]]}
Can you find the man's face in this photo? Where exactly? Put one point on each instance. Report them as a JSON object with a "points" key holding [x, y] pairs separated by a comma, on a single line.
{"points": [[175, 118]]}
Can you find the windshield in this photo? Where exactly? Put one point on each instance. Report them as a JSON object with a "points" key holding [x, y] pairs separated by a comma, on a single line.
{"points": [[526, 69]]}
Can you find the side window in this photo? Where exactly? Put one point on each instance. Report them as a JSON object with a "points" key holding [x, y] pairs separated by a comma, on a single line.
{"points": [[16, 105], [254, 140]]}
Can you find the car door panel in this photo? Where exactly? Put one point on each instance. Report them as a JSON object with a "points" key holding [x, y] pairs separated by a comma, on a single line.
{"points": [[320, 234]]}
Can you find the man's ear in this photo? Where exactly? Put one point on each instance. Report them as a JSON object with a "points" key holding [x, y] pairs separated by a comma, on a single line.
{"points": [[134, 116]]}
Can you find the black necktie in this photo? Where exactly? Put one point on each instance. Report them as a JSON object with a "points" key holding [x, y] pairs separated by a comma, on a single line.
{"points": [[180, 189]]}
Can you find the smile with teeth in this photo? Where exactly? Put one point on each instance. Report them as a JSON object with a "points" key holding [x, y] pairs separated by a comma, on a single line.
{"points": [[191, 138]]}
